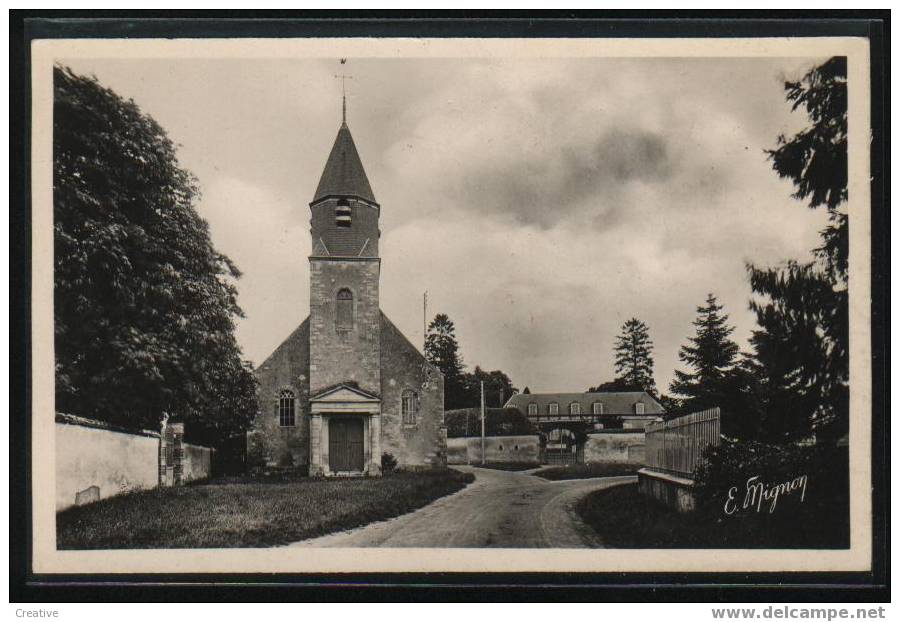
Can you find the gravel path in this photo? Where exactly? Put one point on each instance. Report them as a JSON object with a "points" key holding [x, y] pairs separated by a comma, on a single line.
{"points": [[499, 509]]}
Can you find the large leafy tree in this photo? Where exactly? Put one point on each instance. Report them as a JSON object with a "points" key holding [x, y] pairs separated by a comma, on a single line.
{"points": [[710, 354], [801, 346], [634, 356], [498, 388], [442, 351], [144, 305]]}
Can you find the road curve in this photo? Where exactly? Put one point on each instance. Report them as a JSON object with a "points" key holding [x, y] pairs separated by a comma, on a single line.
{"points": [[502, 509]]}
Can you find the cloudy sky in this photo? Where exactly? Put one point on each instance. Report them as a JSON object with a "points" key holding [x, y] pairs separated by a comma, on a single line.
{"points": [[540, 202]]}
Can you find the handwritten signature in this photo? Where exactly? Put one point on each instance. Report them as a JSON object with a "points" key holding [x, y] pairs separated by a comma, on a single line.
{"points": [[758, 492]]}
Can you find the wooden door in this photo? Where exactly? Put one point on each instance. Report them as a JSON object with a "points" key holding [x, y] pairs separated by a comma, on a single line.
{"points": [[345, 445]]}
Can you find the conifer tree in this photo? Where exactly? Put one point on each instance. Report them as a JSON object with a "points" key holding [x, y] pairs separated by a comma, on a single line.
{"points": [[634, 356], [442, 351], [710, 354]]}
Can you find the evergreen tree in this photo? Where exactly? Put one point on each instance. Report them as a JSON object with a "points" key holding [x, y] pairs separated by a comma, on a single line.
{"points": [[634, 356], [442, 351], [526, 391], [801, 346], [144, 305], [710, 354]]}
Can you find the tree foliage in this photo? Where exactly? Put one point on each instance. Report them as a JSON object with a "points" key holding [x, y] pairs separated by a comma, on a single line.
{"points": [[634, 356], [710, 354], [498, 388], [442, 351], [144, 305], [801, 346]]}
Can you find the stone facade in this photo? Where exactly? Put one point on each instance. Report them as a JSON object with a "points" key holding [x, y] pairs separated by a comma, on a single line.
{"points": [[344, 355]]}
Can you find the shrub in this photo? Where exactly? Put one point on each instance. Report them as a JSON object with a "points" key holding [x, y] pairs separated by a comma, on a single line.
{"points": [[498, 422], [815, 513], [388, 462]]}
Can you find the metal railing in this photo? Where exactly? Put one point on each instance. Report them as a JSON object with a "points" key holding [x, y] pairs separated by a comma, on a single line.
{"points": [[676, 446]]}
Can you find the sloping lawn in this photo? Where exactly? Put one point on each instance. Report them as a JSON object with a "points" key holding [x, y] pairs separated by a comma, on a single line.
{"points": [[244, 514], [624, 518], [582, 471]]}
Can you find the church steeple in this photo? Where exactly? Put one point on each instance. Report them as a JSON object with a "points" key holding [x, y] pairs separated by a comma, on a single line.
{"points": [[344, 175]]}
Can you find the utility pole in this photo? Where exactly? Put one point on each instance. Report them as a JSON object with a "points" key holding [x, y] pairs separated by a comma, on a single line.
{"points": [[424, 319], [482, 422]]}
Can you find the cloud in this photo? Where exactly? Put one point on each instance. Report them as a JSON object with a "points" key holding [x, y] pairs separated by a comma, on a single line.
{"points": [[541, 202]]}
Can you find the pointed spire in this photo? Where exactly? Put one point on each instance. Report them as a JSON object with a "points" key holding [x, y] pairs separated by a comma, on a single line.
{"points": [[344, 175], [344, 122]]}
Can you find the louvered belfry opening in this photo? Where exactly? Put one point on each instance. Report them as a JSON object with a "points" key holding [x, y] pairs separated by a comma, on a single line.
{"points": [[343, 214]]}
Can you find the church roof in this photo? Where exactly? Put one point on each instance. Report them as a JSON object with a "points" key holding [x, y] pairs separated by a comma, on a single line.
{"points": [[344, 174]]}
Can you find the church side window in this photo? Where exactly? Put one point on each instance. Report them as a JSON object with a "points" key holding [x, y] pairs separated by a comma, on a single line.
{"points": [[342, 214], [639, 408], [574, 408], [598, 408], [344, 310], [554, 408], [409, 407], [532, 409], [286, 409]]}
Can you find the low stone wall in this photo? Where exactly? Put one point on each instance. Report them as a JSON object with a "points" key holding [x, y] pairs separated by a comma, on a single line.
{"points": [[672, 490], [615, 447], [525, 448], [95, 461], [196, 462]]}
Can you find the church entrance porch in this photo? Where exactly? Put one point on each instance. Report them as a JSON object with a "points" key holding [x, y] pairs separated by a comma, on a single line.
{"points": [[346, 445], [345, 432]]}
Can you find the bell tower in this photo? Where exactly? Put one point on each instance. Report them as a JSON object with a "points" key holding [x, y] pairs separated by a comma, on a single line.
{"points": [[344, 269]]}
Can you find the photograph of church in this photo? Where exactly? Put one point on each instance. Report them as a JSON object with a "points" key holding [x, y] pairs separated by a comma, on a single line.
{"points": [[347, 387], [270, 331]]}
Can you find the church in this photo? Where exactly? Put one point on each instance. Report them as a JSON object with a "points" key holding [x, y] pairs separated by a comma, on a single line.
{"points": [[347, 390]]}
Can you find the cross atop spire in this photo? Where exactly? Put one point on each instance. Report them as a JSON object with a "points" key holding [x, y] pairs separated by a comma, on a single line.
{"points": [[343, 78]]}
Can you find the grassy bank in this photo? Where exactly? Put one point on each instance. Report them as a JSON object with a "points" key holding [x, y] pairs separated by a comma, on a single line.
{"points": [[623, 518], [507, 466], [582, 471], [246, 513]]}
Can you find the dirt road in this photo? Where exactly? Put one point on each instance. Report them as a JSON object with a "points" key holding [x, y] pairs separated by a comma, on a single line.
{"points": [[499, 509]]}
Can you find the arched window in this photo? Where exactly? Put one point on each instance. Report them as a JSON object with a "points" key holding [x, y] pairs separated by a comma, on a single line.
{"points": [[598, 408], [343, 319], [574, 408], [554, 408], [532, 409], [409, 407], [639, 408], [286, 409], [342, 214]]}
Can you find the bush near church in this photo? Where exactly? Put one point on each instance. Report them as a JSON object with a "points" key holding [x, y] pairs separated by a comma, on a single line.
{"points": [[466, 422]]}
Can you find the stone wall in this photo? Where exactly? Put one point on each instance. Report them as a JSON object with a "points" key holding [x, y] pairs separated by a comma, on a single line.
{"points": [[615, 447], [114, 462], [96, 461], [496, 449], [671, 490], [197, 462], [286, 368], [404, 367], [344, 355]]}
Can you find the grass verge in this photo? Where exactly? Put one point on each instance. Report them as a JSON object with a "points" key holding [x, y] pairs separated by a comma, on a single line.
{"points": [[248, 514], [582, 471], [624, 518], [507, 466]]}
